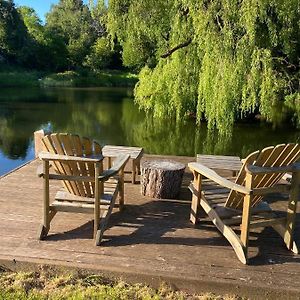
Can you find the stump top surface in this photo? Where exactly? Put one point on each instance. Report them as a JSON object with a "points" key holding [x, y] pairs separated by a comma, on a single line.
{"points": [[168, 165]]}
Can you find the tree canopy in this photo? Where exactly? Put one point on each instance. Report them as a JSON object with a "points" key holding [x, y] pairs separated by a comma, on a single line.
{"points": [[217, 60], [74, 36], [70, 20], [13, 33], [222, 59]]}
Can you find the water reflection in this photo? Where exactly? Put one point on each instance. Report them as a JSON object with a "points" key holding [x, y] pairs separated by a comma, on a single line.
{"points": [[110, 116]]}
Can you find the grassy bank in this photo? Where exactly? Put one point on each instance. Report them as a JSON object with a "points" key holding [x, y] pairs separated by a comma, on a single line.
{"points": [[88, 79], [46, 285], [19, 78]]}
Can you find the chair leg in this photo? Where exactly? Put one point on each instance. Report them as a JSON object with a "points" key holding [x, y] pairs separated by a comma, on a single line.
{"points": [[42, 232], [194, 209], [103, 223], [195, 206], [227, 232], [121, 190], [291, 211], [98, 193], [45, 227], [245, 226], [281, 230]]}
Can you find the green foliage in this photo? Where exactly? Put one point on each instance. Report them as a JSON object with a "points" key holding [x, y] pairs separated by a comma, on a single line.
{"points": [[101, 55], [222, 59], [19, 78], [293, 102], [64, 79], [32, 22], [70, 21], [85, 79], [13, 34], [40, 57], [74, 35], [141, 27]]}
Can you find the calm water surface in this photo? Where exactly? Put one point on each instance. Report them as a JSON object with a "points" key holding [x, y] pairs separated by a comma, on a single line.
{"points": [[110, 116]]}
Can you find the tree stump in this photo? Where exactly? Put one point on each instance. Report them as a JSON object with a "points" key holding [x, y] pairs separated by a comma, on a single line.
{"points": [[161, 178]]}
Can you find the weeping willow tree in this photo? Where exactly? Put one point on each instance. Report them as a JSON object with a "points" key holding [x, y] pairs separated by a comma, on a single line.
{"points": [[220, 59]]}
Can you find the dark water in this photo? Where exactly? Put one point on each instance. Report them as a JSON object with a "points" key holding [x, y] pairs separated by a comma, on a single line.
{"points": [[110, 116]]}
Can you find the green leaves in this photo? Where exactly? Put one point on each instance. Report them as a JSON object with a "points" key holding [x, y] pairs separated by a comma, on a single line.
{"points": [[243, 58], [70, 21], [101, 54]]}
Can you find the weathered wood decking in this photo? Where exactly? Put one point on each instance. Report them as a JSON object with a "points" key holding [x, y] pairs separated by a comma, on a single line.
{"points": [[152, 240]]}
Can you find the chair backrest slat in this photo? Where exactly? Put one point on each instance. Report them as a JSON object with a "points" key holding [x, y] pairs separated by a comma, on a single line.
{"points": [[78, 148], [288, 156], [66, 142], [65, 169], [235, 198], [278, 156], [73, 145], [88, 150], [49, 146]]}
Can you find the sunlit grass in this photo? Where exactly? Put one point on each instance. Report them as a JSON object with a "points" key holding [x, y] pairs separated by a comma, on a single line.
{"points": [[47, 284], [20, 78], [83, 79]]}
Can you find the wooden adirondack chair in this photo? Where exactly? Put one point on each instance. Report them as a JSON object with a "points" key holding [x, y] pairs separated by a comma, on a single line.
{"points": [[78, 163], [239, 202]]}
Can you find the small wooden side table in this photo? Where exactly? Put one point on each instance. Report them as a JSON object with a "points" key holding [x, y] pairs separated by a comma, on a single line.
{"points": [[221, 162], [136, 153]]}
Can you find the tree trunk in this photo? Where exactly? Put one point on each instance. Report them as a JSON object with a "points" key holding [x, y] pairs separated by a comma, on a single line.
{"points": [[161, 178]]}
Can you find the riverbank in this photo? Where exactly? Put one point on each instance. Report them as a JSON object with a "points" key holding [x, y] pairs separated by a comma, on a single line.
{"points": [[20, 78], [17, 78]]}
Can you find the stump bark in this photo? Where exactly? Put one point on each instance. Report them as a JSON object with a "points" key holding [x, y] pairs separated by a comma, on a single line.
{"points": [[161, 178]]}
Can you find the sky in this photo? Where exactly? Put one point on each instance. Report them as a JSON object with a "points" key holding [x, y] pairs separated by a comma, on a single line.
{"points": [[40, 6]]}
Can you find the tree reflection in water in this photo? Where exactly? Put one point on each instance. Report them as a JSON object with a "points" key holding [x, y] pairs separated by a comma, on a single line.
{"points": [[110, 116]]}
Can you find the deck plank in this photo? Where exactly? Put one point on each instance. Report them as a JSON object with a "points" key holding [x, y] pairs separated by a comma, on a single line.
{"points": [[150, 239]]}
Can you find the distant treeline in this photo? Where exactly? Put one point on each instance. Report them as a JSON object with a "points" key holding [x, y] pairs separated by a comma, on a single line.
{"points": [[74, 36]]}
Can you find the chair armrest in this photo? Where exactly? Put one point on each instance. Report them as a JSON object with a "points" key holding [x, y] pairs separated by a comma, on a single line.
{"points": [[118, 165], [255, 170], [57, 157], [212, 175]]}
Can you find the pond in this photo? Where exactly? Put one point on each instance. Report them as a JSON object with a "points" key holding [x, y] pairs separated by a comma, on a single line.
{"points": [[109, 116]]}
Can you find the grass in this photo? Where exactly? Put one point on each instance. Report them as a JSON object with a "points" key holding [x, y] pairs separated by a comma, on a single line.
{"points": [[19, 78], [87, 79], [46, 284], [10, 77]]}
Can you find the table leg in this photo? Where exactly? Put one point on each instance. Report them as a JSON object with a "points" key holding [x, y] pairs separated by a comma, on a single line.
{"points": [[138, 166], [133, 171]]}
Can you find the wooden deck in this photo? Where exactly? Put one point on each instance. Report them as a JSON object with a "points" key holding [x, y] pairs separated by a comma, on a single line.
{"points": [[152, 240]]}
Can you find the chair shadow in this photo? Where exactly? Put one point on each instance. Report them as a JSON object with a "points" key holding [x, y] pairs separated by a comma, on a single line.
{"points": [[153, 222], [166, 221], [85, 231]]}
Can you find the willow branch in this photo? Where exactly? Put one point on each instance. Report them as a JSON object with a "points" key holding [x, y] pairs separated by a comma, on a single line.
{"points": [[171, 51]]}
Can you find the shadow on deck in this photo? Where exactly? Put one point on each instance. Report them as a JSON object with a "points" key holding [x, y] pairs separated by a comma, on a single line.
{"points": [[151, 241]]}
